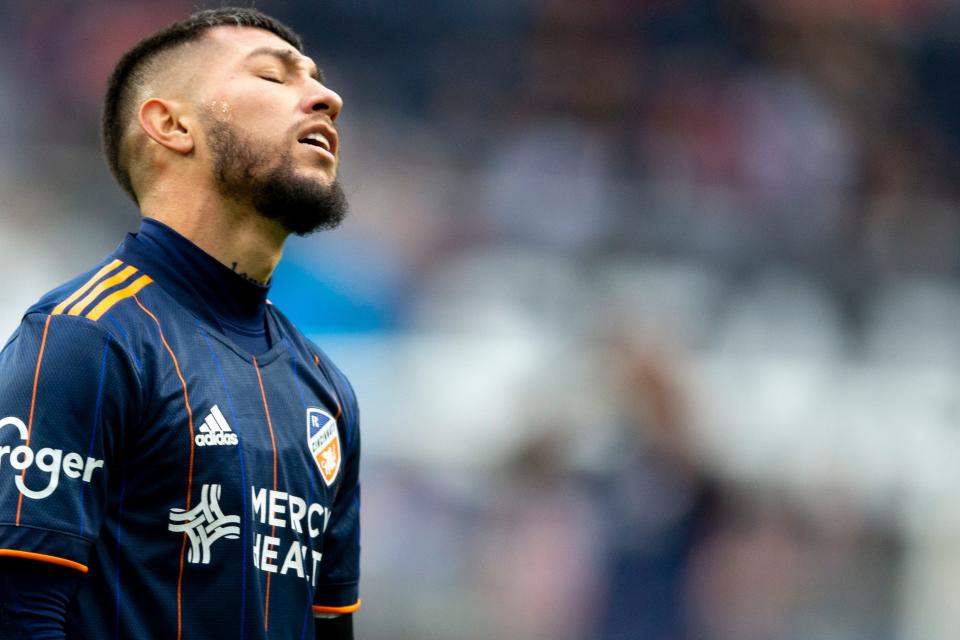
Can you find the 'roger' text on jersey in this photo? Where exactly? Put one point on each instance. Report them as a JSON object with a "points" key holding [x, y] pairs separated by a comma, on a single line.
{"points": [[49, 460]]}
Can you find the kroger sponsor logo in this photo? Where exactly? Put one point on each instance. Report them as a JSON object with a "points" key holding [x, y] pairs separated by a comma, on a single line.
{"points": [[51, 461]]}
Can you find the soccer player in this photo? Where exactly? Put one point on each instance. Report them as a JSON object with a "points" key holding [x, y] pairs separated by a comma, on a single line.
{"points": [[176, 459]]}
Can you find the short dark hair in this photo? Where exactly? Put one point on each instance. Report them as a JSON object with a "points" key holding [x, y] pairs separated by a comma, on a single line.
{"points": [[133, 65]]}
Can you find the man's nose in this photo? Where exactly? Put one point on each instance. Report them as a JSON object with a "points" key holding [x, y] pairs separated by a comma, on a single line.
{"points": [[324, 99]]}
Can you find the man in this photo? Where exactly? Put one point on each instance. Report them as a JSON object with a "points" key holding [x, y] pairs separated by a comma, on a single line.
{"points": [[176, 459]]}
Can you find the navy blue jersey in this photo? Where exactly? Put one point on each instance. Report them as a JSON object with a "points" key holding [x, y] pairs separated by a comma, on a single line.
{"points": [[203, 492]]}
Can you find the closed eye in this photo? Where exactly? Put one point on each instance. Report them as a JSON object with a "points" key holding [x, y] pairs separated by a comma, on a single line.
{"points": [[272, 79]]}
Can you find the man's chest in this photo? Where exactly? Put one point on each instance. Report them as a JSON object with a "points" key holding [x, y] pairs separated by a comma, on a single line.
{"points": [[229, 446]]}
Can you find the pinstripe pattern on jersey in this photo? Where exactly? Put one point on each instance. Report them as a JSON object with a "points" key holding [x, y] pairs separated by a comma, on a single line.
{"points": [[245, 525], [97, 408], [186, 402], [273, 443], [33, 404]]}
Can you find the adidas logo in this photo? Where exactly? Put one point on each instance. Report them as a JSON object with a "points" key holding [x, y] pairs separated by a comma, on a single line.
{"points": [[214, 431]]}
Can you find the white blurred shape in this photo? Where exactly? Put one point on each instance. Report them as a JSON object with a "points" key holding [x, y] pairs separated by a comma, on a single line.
{"points": [[653, 298], [504, 290], [783, 313], [914, 320]]}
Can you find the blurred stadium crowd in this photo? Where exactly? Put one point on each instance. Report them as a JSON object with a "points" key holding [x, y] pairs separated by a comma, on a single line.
{"points": [[651, 305]]}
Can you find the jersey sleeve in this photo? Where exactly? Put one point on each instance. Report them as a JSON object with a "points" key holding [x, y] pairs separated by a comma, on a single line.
{"points": [[339, 572], [67, 388]]}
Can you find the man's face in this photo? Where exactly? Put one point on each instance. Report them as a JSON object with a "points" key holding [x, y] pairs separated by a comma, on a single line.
{"points": [[268, 122]]}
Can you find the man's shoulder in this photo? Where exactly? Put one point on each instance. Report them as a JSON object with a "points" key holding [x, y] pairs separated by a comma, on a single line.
{"points": [[99, 294], [102, 303], [78, 325]]}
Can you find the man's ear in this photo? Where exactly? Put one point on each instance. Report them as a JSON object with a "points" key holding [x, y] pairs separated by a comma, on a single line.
{"points": [[164, 123]]}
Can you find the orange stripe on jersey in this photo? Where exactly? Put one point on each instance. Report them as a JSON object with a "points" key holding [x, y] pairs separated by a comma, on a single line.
{"points": [[78, 308], [79, 292], [186, 401], [33, 403], [127, 292], [266, 409], [318, 609], [42, 557], [273, 443]]}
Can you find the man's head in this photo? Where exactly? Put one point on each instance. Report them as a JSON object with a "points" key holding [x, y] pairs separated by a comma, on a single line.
{"points": [[227, 100]]}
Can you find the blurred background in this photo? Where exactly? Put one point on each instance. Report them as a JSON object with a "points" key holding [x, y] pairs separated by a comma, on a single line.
{"points": [[651, 305]]}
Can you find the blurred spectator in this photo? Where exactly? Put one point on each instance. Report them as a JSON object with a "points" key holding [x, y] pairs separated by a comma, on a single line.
{"points": [[656, 502]]}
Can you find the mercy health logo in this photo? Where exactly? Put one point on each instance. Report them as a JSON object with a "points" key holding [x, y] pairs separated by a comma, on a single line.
{"points": [[214, 431], [204, 524], [50, 461], [291, 520], [324, 441]]}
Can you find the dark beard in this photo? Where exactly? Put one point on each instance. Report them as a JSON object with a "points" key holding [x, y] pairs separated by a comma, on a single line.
{"points": [[245, 172]]}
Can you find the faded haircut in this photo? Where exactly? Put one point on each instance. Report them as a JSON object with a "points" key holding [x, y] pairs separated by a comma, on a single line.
{"points": [[134, 69]]}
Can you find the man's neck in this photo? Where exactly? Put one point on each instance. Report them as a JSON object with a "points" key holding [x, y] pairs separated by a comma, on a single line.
{"points": [[239, 238]]}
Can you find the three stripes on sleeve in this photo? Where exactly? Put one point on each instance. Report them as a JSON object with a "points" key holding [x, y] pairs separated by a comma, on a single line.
{"points": [[109, 285]]}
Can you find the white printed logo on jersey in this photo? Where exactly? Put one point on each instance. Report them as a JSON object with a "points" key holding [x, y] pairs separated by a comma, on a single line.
{"points": [[204, 524], [48, 460], [290, 554], [215, 432]]}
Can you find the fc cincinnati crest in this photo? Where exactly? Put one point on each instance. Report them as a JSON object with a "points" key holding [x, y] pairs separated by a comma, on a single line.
{"points": [[324, 441]]}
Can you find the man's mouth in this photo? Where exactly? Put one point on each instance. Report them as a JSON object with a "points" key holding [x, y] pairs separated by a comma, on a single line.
{"points": [[317, 139]]}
